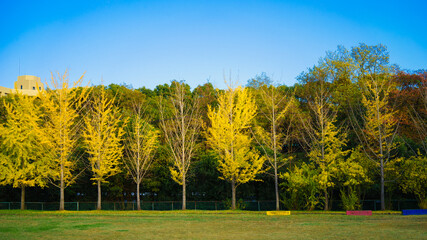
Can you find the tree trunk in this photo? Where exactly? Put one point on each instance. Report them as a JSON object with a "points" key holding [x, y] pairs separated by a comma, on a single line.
{"points": [[22, 197], [61, 198], [276, 186], [138, 199], [326, 201], [61, 191], [233, 195], [382, 186], [381, 156], [184, 193], [98, 206], [276, 182]]}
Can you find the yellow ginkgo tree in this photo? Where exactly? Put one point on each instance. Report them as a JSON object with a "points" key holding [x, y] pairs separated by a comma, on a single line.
{"points": [[324, 140], [327, 153], [23, 161], [102, 138], [230, 136], [141, 141], [380, 125], [62, 103]]}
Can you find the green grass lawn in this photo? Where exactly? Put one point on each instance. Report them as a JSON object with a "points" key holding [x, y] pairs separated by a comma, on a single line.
{"points": [[15, 224]]}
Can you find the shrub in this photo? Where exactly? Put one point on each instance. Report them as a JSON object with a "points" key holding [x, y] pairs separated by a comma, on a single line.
{"points": [[240, 204], [350, 201]]}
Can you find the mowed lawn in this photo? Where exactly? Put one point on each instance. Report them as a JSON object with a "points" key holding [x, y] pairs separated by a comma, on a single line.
{"points": [[15, 224]]}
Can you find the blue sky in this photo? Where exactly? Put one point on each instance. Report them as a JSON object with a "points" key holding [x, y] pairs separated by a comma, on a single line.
{"points": [[146, 43]]}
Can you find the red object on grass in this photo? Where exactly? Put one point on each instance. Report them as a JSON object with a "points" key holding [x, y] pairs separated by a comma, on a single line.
{"points": [[360, 213]]}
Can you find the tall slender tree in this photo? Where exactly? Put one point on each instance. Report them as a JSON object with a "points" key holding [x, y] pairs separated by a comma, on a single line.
{"points": [[102, 136], [379, 127], [181, 125], [62, 103], [274, 106], [229, 135], [327, 152], [140, 143], [318, 121]]}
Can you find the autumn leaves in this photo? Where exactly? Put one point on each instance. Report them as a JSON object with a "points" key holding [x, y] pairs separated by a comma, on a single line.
{"points": [[44, 138], [230, 136], [337, 130]]}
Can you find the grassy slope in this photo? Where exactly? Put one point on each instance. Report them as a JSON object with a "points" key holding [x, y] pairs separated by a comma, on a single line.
{"points": [[205, 225]]}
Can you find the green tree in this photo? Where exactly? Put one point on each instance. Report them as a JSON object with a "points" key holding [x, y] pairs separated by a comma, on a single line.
{"points": [[259, 81], [352, 174], [414, 178], [303, 186]]}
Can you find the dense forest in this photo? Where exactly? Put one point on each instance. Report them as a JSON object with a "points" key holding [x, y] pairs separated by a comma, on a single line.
{"points": [[354, 127]]}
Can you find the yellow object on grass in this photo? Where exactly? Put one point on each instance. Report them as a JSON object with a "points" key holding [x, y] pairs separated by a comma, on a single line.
{"points": [[271, 213]]}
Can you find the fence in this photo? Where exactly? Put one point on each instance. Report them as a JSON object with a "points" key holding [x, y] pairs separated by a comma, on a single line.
{"points": [[168, 205], [192, 205]]}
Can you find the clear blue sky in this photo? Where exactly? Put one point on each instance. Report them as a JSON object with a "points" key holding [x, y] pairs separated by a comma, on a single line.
{"points": [[146, 43]]}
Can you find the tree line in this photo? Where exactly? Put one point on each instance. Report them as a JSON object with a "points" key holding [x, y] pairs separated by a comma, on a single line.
{"points": [[354, 126]]}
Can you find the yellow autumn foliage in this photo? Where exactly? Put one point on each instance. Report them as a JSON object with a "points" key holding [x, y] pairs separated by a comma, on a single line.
{"points": [[327, 153], [141, 141], [102, 136], [22, 154], [62, 104], [230, 137]]}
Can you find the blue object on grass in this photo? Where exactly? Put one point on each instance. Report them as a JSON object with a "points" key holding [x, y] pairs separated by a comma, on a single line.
{"points": [[414, 212]]}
